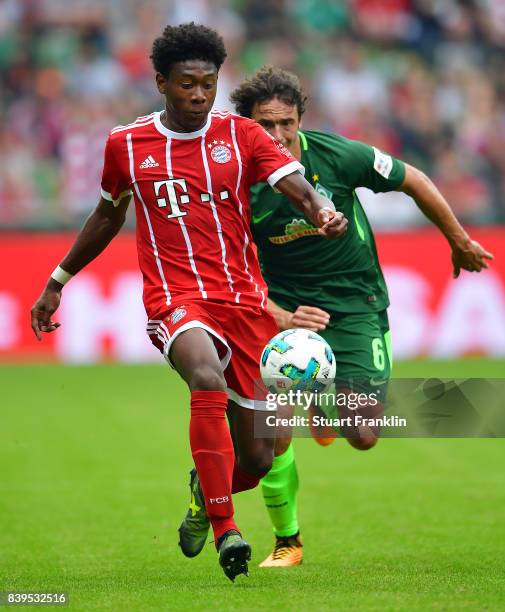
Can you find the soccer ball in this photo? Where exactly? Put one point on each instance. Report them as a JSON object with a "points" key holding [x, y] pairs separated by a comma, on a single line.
{"points": [[297, 360]]}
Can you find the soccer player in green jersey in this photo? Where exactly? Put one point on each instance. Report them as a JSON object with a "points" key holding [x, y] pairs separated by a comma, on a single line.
{"points": [[334, 288]]}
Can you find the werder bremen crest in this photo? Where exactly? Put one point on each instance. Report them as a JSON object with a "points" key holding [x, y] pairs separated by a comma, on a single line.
{"points": [[323, 190], [297, 228]]}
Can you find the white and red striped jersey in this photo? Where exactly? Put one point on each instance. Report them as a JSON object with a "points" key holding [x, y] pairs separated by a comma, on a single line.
{"points": [[191, 193]]}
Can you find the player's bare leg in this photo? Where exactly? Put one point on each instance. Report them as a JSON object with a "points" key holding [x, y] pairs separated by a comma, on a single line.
{"points": [[324, 435], [195, 357], [362, 437], [254, 454], [366, 442]]}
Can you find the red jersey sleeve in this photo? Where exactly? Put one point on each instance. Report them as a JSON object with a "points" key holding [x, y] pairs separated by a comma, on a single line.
{"points": [[115, 184], [269, 159]]}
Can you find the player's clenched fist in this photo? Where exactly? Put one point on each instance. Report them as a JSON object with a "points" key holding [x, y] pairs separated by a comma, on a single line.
{"points": [[333, 224], [43, 309]]}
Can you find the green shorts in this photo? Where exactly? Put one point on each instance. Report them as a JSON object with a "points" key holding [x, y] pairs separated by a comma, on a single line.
{"points": [[361, 343]]}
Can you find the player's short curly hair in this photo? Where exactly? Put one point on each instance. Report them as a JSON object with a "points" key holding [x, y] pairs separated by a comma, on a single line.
{"points": [[266, 84], [187, 41]]}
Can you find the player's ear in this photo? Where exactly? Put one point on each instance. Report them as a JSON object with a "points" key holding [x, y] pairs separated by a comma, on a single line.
{"points": [[161, 82]]}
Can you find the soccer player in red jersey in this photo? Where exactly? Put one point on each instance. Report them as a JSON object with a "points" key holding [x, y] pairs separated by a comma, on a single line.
{"points": [[189, 171]]}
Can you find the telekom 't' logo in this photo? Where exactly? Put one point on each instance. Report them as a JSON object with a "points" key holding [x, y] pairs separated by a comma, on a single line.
{"points": [[174, 200]]}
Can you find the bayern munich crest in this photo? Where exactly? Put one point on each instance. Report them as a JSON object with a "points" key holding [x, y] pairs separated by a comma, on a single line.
{"points": [[220, 152], [177, 315]]}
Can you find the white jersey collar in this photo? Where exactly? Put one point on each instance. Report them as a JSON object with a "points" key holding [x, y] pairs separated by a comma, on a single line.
{"points": [[180, 135]]}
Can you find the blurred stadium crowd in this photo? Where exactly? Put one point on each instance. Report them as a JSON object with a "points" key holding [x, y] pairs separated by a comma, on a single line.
{"points": [[422, 79]]}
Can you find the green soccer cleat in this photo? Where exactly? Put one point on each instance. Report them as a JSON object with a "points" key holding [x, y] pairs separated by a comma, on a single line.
{"points": [[234, 553], [195, 526]]}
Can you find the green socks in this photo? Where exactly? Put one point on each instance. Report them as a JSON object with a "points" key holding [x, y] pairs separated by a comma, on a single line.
{"points": [[279, 488]]}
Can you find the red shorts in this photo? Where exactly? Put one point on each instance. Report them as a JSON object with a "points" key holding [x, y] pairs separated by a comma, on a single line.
{"points": [[240, 334]]}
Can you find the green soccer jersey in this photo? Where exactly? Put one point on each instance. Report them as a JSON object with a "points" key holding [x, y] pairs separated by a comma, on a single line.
{"points": [[301, 267]]}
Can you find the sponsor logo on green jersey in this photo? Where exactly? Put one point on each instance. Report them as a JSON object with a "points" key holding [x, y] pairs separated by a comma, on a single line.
{"points": [[297, 228]]}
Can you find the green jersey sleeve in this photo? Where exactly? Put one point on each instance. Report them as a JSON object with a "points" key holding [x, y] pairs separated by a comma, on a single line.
{"points": [[366, 166]]}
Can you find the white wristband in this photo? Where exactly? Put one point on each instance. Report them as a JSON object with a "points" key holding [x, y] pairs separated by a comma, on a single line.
{"points": [[60, 275]]}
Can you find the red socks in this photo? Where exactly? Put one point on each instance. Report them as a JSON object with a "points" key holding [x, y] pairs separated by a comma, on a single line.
{"points": [[214, 457], [243, 481]]}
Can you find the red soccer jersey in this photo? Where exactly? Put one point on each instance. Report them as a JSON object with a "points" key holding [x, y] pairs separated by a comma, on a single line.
{"points": [[191, 193]]}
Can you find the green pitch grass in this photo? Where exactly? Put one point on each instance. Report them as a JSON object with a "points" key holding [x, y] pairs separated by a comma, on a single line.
{"points": [[94, 464]]}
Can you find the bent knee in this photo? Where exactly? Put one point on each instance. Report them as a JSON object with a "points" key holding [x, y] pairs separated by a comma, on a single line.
{"points": [[207, 378], [363, 444], [281, 445], [258, 466]]}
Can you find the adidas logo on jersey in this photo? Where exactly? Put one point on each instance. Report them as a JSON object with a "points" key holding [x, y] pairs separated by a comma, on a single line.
{"points": [[149, 162]]}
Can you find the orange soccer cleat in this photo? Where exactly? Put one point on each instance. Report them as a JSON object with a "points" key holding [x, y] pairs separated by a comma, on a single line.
{"points": [[286, 553]]}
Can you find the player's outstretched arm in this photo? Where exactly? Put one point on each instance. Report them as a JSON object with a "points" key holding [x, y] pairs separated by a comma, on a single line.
{"points": [[467, 254], [318, 209], [100, 228], [308, 317]]}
